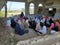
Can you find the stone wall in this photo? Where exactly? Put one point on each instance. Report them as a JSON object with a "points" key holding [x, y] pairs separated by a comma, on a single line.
{"points": [[6, 37], [2, 3]]}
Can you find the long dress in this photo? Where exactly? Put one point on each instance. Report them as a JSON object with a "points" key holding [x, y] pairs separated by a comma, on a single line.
{"points": [[44, 30]]}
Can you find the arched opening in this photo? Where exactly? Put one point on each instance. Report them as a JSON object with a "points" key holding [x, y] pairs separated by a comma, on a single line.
{"points": [[31, 8], [40, 5], [40, 8], [15, 8], [52, 11]]}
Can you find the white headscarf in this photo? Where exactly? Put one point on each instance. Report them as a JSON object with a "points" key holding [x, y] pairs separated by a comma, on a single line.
{"points": [[44, 30]]}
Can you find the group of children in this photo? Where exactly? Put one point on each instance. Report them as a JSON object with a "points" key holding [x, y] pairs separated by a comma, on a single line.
{"points": [[42, 25], [45, 25]]}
